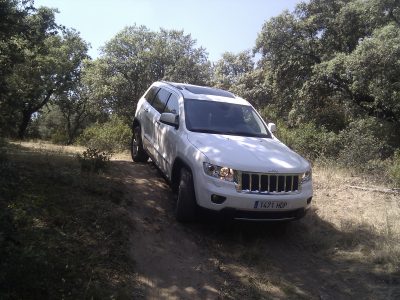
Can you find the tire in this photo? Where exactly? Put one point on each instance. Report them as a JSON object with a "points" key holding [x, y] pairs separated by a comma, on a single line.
{"points": [[186, 206], [137, 152]]}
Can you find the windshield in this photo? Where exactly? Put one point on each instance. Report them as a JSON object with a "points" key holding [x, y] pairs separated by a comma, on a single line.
{"points": [[223, 118]]}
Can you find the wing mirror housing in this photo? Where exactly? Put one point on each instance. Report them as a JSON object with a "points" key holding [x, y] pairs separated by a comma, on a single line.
{"points": [[170, 119], [272, 127]]}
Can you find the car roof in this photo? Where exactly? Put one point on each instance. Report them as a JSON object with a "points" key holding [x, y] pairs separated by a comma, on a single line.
{"points": [[197, 92]]}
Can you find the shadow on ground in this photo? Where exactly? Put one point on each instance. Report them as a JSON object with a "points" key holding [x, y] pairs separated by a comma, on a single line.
{"points": [[213, 258]]}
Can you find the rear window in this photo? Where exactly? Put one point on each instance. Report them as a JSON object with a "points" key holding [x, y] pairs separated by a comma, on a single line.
{"points": [[151, 93], [160, 100], [172, 105]]}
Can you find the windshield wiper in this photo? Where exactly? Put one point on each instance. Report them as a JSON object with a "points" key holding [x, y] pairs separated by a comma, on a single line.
{"points": [[204, 130], [238, 133], [249, 134]]}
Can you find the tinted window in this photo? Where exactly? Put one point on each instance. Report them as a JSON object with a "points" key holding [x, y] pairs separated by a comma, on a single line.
{"points": [[160, 100], [172, 105], [151, 93]]}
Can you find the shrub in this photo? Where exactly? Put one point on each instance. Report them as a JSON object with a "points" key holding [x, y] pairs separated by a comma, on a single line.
{"points": [[110, 137], [59, 137], [394, 169], [362, 143], [93, 160], [3, 151], [309, 140]]}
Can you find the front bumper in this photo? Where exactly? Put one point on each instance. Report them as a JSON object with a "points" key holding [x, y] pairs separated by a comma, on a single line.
{"points": [[241, 206], [270, 216]]}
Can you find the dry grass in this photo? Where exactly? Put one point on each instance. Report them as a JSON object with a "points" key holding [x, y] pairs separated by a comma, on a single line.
{"points": [[48, 147], [350, 209], [348, 246], [40, 146]]}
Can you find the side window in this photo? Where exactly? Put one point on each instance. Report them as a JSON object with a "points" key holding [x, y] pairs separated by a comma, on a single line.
{"points": [[172, 105], [160, 100], [151, 93]]}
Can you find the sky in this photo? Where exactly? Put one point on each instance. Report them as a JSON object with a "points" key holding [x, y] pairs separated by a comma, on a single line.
{"points": [[217, 25]]}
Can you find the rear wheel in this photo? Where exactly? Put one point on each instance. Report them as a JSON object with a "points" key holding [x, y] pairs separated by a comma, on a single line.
{"points": [[137, 151], [186, 206]]}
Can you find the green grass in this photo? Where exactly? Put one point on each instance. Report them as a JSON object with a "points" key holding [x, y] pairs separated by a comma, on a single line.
{"points": [[63, 233]]}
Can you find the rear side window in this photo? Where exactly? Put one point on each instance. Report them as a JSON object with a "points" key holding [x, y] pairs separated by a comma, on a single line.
{"points": [[172, 105], [160, 100], [151, 93]]}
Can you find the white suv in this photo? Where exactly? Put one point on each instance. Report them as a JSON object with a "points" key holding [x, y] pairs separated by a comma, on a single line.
{"points": [[218, 154]]}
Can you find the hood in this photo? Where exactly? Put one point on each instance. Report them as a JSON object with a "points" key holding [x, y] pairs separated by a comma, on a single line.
{"points": [[248, 153]]}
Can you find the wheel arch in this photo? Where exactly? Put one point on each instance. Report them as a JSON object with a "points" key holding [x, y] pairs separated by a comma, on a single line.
{"points": [[175, 173], [135, 123]]}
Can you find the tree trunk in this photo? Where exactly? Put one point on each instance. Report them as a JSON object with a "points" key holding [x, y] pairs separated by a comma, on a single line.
{"points": [[26, 118]]}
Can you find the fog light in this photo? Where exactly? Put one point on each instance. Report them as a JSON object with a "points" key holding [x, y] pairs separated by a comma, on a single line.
{"points": [[217, 199], [309, 200]]}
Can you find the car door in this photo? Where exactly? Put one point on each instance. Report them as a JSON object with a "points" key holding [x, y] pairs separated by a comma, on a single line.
{"points": [[153, 114], [167, 137], [146, 118]]}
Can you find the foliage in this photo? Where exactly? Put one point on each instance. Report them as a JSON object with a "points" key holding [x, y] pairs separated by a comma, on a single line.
{"points": [[48, 63], [229, 69], [93, 160], [330, 62], [394, 169], [12, 30], [3, 153], [135, 58], [236, 72], [362, 143], [63, 120], [110, 136], [309, 140]]}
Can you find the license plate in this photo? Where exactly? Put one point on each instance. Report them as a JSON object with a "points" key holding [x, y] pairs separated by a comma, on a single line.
{"points": [[270, 204]]}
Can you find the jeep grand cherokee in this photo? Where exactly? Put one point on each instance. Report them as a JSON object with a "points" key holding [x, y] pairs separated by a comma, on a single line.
{"points": [[218, 154]]}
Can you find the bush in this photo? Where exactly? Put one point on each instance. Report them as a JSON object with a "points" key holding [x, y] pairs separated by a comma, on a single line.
{"points": [[3, 151], [109, 137], [362, 143], [93, 160], [394, 169], [59, 137], [309, 140]]}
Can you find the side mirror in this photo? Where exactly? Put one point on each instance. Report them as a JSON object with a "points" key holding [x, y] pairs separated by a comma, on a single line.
{"points": [[272, 127], [170, 119]]}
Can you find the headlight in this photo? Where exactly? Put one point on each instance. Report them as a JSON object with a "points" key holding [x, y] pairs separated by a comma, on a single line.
{"points": [[222, 173], [306, 176]]}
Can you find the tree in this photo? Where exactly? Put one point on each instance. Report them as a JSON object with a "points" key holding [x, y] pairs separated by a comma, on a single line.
{"points": [[231, 67], [76, 110], [39, 60], [13, 28], [135, 58], [332, 61], [51, 67]]}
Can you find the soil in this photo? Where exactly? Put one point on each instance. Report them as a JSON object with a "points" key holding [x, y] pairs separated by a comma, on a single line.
{"points": [[216, 259]]}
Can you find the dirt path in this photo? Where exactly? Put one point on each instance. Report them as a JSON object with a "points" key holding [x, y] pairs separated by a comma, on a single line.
{"points": [[213, 260]]}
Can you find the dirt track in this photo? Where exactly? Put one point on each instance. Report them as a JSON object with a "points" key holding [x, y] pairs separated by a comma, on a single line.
{"points": [[214, 260]]}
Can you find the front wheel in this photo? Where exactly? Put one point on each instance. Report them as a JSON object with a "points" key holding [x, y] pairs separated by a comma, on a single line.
{"points": [[137, 152], [186, 206]]}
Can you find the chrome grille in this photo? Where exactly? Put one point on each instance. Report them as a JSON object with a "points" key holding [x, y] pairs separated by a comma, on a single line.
{"points": [[268, 183]]}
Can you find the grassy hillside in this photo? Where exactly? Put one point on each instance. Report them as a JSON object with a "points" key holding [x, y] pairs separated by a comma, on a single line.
{"points": [[63, 233], [66, 233]]}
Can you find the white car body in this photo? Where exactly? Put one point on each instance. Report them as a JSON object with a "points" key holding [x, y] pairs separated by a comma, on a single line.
{"points": [[284, 188]]}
